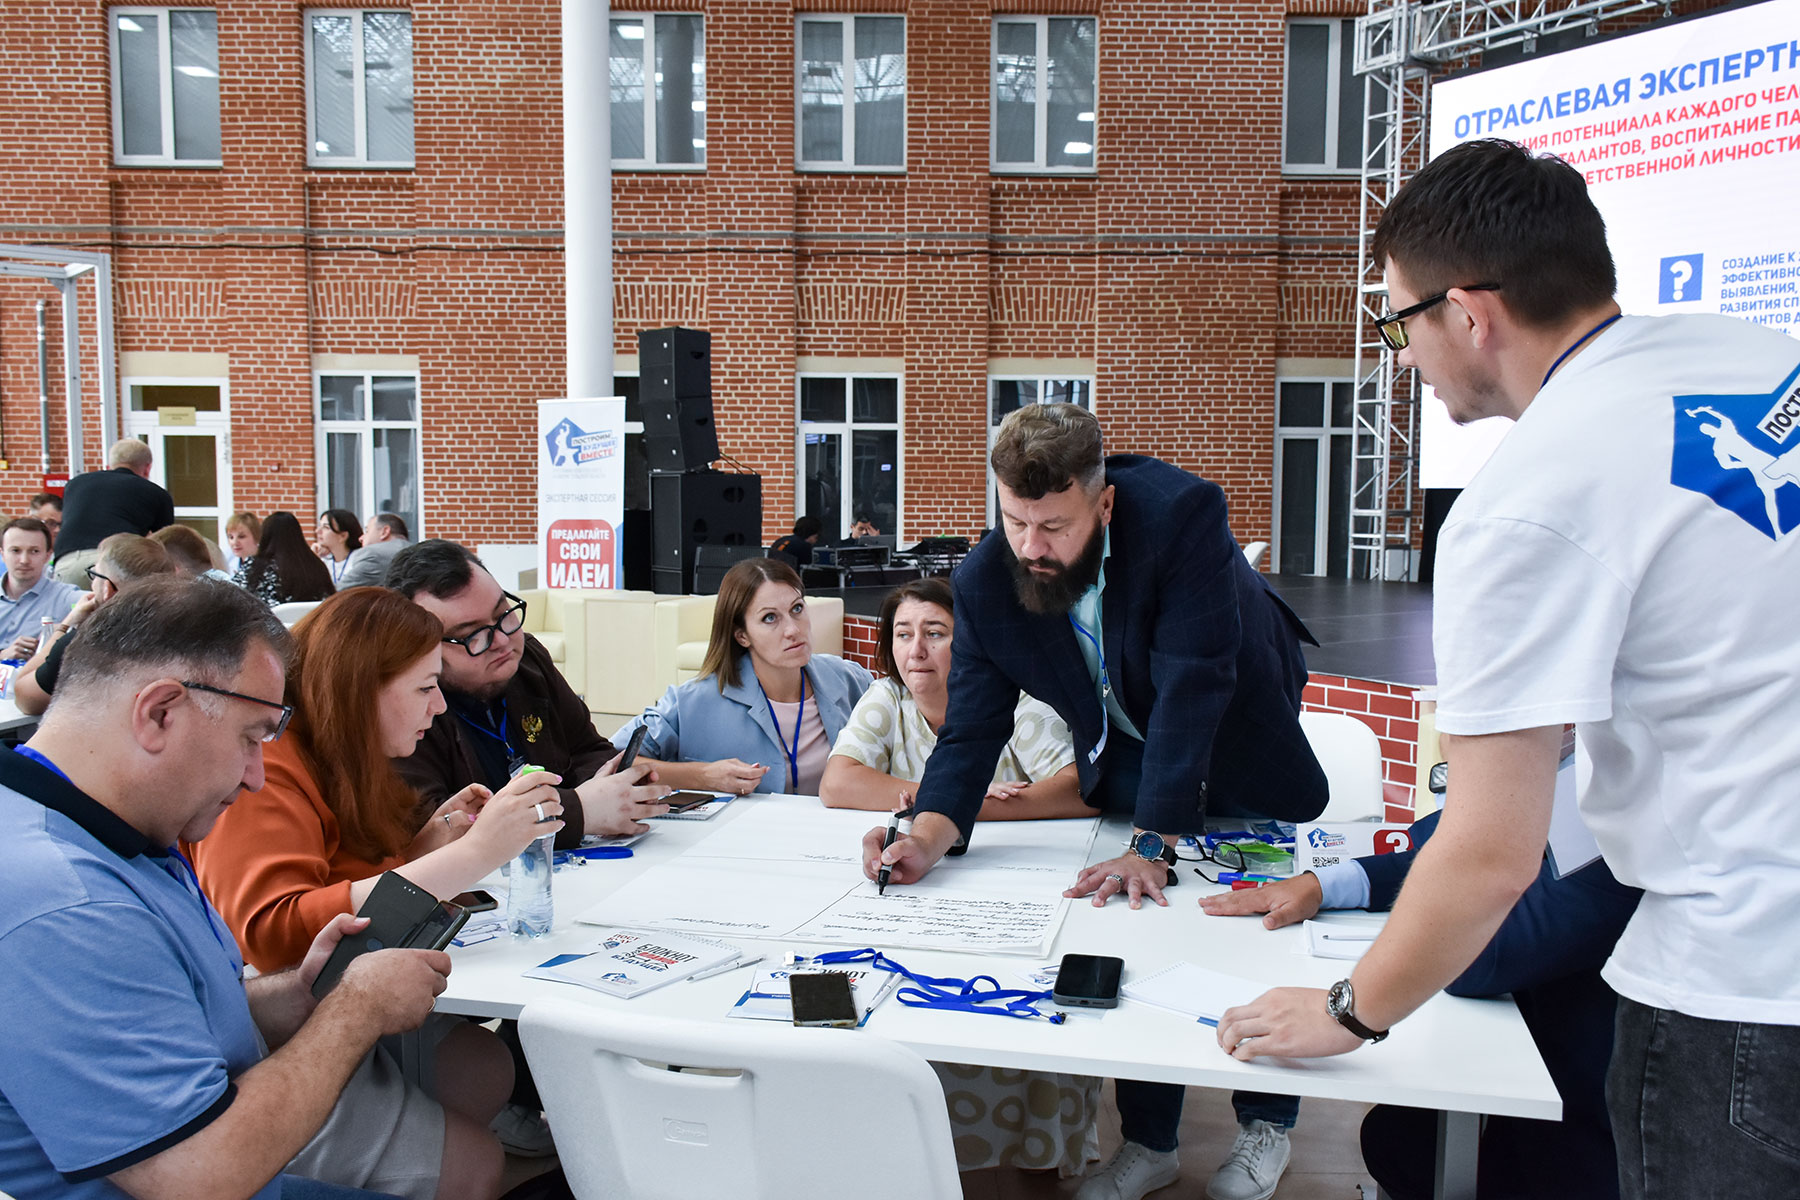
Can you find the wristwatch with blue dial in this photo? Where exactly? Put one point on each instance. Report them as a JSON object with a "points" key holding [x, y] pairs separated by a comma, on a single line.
{"points": [[1149, 846]]}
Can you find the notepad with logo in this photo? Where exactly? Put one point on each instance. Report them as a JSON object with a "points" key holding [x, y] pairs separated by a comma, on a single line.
{"points": [[1192, 991], [631, 962]]}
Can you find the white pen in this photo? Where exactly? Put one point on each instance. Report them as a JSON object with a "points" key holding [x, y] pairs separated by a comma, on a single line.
{"points": [[725, 967]]}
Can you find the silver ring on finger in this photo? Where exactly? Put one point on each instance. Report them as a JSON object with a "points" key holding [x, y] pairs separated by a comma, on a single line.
{"points": [[1118, 879], [539, 809]]}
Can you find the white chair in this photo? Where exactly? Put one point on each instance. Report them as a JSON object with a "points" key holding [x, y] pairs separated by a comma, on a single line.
{"points": [[1253, 553], [293, 610], [1350, 754], [770, 1107]]}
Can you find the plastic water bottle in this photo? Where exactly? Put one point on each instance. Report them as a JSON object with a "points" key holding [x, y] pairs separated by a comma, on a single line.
{"points": [[530, 910]]}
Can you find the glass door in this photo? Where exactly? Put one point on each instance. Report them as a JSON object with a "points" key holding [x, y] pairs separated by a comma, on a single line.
{"points": [[186, 426]]}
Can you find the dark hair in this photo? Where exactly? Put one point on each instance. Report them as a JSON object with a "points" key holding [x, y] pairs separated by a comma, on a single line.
{"points": [[1492, 212], [933, 590], [342, 520], [29, 525], [135, 557], [395, 523], [736, 591], [807, 526], [283, 552], [345, 651], [43, 498], [186, 549], [200, 629], [1044, 448], [435, 566]]}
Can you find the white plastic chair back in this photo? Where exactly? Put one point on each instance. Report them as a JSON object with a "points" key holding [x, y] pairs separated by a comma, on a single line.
{"points": [[779, 1106], [1253, 553], [1350, 754], [293, 610]]}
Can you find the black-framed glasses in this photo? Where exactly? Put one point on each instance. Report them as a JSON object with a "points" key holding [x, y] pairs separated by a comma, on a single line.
{"points": [[1225, 857], [478, 641], [1393, 326], [93, 575], [286, 710]]}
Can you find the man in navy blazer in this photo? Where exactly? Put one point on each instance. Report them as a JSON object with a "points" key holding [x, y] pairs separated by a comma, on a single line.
{"points": [[1119, 598]]}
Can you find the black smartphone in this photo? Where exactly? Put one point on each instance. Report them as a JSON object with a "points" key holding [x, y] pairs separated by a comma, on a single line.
{"points": [[633, 746], [680, 802], [402, 915], [477, 901], [823, 999], [1088, 981]]}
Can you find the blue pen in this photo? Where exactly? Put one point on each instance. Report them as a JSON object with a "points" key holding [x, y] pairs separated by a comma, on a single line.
{"points": [[600, 852]]}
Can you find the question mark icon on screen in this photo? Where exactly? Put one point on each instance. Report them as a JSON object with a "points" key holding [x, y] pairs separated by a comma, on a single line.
{"points": [[1681, 270]]}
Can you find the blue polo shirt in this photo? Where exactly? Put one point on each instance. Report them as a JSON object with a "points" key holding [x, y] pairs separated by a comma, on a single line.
{"points": [[123, 987]]}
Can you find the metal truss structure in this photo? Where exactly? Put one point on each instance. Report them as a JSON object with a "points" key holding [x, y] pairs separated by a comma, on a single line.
{"points": [[1400, 44], [63, 269]]}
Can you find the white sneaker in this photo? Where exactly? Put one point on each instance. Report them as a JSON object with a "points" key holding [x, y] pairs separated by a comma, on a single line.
{"points": [[1131, 1173], [1257, 1159], [523, 1132]]}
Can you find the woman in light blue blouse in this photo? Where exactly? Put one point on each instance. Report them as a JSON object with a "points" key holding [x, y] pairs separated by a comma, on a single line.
{"points": [[764, 711]]}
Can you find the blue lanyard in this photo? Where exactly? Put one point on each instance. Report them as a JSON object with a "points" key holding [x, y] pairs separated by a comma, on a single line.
{"points": [[945, 992], [514, 760], [1105, 691], [793, 755], [1578, 342]]}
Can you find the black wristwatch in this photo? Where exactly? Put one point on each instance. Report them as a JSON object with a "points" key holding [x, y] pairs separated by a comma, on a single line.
{"points": [[1338, 1002], [1153, 847]]}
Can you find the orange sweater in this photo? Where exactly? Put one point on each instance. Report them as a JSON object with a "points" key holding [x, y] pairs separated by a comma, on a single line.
{"points": [[273, 867]]}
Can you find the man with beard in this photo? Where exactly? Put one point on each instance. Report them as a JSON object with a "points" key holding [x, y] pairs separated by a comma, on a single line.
{"points": [[1119, 598]]}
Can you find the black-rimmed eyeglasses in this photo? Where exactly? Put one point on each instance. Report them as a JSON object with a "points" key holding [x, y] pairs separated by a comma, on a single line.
{"points": [[286, 710], [1393, 326], [478, 641], [93, 575], [1224, 856]]}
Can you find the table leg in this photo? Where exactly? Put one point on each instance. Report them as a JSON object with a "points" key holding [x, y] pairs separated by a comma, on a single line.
{"points": [[1458, 1148]]}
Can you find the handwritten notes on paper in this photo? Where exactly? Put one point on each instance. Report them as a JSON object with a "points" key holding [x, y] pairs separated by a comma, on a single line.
{"points": [[781, 871]]}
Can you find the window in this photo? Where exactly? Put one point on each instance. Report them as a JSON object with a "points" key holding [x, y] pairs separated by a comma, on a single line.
{"points": [[359, 88], [664, 124], [1044, 89], [367, 444], [1314, 424], [1323, 131], [1008, 392], [165, 87], [851, 92], [849, 452]]}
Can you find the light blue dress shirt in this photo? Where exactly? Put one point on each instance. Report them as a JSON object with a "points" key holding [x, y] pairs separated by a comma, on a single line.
{"points": [[1087, 615], [23, 615]]}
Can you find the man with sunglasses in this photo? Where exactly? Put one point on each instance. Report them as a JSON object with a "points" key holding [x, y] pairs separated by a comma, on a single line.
{"points": [[509, 705], [144, 1063], [1611, 567]]}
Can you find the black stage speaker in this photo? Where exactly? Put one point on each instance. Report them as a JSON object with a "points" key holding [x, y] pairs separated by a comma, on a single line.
{"points": [[699, 508], [675, 391], [679, 433], [674, 362], [711, 562]]}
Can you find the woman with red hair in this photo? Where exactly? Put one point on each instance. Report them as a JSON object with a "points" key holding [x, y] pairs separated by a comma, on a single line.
{"points": [[331, 817]]}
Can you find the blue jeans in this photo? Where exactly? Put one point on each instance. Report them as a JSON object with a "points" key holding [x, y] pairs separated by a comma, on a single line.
{"points": [[1704, 1108]]}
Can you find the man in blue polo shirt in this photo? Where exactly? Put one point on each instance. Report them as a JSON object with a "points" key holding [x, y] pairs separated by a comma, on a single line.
{"points": [[137, 1063]]}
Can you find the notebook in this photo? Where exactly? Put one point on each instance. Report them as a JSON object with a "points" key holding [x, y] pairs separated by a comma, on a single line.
{"points": [[1193, 991], [630, 962]]}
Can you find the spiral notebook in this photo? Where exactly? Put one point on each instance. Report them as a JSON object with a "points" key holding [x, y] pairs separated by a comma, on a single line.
{"points": [[1193, 991]]}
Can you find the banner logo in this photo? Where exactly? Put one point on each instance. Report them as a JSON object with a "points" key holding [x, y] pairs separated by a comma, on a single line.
{"points": [[568, 445]]}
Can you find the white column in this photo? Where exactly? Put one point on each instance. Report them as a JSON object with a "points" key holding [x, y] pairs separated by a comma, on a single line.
{"points": [[587, 198]]}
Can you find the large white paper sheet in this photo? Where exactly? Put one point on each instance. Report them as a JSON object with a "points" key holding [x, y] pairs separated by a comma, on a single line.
{"points": [[938, 920]]}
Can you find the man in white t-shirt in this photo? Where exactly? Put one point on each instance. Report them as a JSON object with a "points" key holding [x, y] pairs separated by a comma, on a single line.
{"points": [[1627, 561]]}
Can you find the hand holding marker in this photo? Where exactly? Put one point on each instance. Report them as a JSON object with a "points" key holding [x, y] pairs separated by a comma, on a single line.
{"points": [[899, 825]]}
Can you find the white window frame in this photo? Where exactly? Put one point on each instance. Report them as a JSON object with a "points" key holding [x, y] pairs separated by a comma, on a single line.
{"points": [[1341, 28], [847, 459], [366, 428], [359, 99], [1322, 435], [993, 426], [139, 422], [166, 72], [848, 162], [1041, 113], [649, 20]]}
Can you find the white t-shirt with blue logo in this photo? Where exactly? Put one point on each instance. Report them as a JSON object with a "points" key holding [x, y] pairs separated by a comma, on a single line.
{"points": [[1629, 560]]}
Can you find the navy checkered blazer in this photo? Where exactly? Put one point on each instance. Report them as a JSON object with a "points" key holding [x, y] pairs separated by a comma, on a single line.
{"points": [[1203, 655]]}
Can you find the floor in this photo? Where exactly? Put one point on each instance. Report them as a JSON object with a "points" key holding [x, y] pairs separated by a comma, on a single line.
{"points": [[1327, 1164]]}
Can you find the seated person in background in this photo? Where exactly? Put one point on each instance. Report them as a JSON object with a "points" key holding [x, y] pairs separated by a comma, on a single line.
{"points": [[242, 531], [764, 711], [338, 536], [508, 704], [881, 752], [333, 815], [28, 592], [124, 559], [47, 507], [383, 537], [1548, 954], [862, 528], [191, 553], [799, 544], [143, 1072], [284, 567]]}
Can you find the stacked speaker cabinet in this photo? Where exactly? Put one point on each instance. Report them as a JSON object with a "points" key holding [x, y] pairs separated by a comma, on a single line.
{"points": [[691, 505]]}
